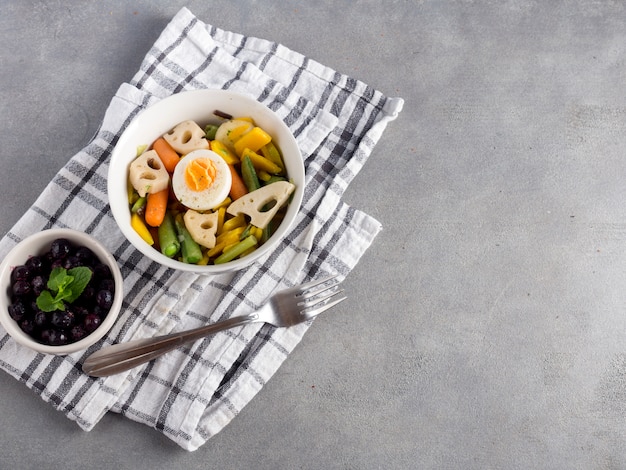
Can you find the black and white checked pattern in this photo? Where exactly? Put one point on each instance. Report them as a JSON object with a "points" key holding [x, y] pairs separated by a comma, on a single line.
{"points": [[192, 393]]}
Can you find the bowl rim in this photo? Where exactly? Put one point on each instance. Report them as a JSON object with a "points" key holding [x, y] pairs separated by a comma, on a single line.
{"points": [[264, 117], [18, 256]]}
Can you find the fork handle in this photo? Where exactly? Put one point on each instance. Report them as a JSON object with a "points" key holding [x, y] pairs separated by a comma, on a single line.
{"points": [[125, 356]]}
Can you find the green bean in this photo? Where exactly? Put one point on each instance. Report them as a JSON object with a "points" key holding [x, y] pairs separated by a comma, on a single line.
{"points": [[209, 131], [237, 250], [139, 206], [168, 240], [248, 174], [246, 232], [190, 249]]}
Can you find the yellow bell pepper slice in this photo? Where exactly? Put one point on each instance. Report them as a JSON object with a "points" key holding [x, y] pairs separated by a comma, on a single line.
{"points": [[254, 140], [271, 152], [137, 223], [235, 222], [260, 163], [224, 152], [221, 215]]}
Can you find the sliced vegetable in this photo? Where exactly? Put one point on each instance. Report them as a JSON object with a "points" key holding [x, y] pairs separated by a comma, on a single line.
{"points": [[139, 206], [257, 204], [209, 131], [186, 137], [253, 140], [156, 205], [137, 223], [248, 174], [189, 248], [238, 188], [236, 250], [167, 154], [202, 227], [260, 162], [271, 152], [147, 173], [168, 238], [221, 215], [224, 152], [231, 131], [234, 222]]}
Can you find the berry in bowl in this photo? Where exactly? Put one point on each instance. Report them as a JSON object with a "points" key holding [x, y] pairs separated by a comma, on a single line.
{"points": [[206, 181], [61, 291]]}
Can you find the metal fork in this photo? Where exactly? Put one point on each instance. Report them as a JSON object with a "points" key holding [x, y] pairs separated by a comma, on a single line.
{"points": [[285, 308]]}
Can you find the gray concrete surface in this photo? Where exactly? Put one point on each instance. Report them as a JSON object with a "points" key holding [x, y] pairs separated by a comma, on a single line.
{"points": [[486, 327]]}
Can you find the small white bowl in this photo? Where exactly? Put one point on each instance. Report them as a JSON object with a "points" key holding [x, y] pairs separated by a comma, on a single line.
{"points": [[39, 244], [199, 106]]}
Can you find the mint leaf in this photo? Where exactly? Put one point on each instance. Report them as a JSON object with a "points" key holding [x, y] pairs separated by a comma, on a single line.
{"points": [[81, 277], [66, 286], [47, 303], [59, 280]]}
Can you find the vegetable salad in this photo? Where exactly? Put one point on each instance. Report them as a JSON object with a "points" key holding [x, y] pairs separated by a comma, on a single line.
{"points": [[209, 195]]}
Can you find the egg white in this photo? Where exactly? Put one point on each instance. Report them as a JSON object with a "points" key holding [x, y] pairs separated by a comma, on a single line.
{"points": [[210, 197]]}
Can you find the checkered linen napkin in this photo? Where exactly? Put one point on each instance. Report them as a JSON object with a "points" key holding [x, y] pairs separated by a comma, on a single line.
{"points": [[192, 393]]}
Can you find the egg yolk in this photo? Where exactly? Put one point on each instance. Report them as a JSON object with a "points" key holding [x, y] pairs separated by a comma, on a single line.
{"points": [[200, 174]]}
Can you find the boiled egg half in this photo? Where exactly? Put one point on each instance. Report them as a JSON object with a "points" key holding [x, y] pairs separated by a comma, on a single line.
{"points": [[201, 180]]}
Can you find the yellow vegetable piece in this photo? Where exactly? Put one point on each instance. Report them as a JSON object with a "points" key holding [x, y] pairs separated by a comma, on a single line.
{"points": [[224, 152], [141, 149], [260, 163], [263, 175], [216, 250], [137, 223], [228, 247], [221, 214], [235, 134], [245, 118], [257, 232], [230, 237], [234, 222], [254, 140], [271, 152]]}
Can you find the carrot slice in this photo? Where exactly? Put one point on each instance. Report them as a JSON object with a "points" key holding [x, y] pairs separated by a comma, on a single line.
{"points": [[167, 154], [156, 206], [238, 187]]}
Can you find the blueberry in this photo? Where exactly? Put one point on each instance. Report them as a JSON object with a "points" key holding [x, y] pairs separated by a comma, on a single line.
{"points": [[91, 322], [77, 332], [41, 319], [17, 310], [62, 318], [85, 255], [60, 248], [36, 264], [20, 273], [54, 337], [72, 262], [27, 325], [21, 287], [104, 299], [38, 285]]}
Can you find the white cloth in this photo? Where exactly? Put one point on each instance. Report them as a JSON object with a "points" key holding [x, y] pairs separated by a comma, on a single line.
{"points": [[192, 393]]}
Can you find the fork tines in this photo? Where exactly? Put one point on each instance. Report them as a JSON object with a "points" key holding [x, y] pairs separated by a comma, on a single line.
{"points": [[316, 295]]}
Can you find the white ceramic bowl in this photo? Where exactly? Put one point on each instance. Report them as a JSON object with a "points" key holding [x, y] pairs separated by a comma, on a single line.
{"points": [[38, 244], [199, 106]]}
